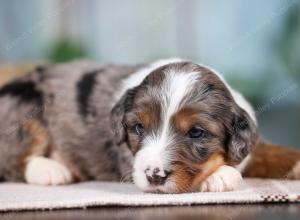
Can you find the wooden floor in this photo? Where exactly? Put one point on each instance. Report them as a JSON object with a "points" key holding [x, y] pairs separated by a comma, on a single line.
{"points": [[205, 212]]}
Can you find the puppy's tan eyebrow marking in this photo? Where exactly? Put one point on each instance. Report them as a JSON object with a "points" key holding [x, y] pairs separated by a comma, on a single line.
{"points": [[188, 117], [150, 115], [184, 119]]}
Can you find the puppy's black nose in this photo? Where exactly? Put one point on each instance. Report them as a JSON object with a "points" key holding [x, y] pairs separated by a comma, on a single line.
{"points": [[156, 177]]}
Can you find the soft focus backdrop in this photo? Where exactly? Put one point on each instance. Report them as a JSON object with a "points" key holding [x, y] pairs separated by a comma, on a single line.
{"points": [[255, 44]]}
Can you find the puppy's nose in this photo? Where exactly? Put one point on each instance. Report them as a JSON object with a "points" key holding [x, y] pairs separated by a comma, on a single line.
{"points": [[156, 177]]}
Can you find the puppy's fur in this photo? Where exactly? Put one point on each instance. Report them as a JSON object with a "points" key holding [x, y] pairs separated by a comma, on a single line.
{"points": [[55, 128]]}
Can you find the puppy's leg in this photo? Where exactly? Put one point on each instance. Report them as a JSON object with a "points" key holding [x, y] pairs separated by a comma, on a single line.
{"points": [[39, 169], [266, 161], [216, 176], [45, 171], [225, 178], [273, 161]]}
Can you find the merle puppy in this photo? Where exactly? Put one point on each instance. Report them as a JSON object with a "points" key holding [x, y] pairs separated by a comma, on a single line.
{"points": [[171, 126]]}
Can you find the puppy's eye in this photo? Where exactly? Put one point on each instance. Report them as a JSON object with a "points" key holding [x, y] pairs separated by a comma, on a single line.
{"points": [[196, 132], [139, 129]]}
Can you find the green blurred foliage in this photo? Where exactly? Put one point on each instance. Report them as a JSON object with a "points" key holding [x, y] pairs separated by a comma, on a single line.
{"points": [[65, 49], [288, 44]]}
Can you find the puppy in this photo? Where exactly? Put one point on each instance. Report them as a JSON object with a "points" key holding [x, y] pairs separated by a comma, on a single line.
{"points": [[172, 126]]}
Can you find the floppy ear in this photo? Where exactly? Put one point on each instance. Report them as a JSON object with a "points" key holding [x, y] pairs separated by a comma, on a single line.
{"points": [[117, 115], [242, 136]]}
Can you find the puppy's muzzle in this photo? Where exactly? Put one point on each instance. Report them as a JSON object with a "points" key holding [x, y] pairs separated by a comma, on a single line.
{"points": [[156, 176]]}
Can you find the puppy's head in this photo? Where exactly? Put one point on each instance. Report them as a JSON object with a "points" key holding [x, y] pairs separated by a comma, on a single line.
{"points": [[181, 123]]}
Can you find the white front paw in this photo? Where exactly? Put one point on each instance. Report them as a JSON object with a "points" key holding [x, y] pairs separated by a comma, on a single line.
{"points": [[225, 178], [44, 171]]}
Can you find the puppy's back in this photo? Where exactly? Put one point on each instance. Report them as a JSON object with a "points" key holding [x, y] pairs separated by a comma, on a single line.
{"points": [[72, 101]]}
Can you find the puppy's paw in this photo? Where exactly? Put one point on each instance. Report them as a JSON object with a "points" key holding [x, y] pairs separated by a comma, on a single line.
{"points": [[225, 178], [44, 171]]}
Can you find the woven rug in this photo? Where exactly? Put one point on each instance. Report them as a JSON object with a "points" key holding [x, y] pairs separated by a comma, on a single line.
{"points": [[16, 196]]}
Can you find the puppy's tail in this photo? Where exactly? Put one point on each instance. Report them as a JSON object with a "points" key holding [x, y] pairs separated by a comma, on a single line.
{"points": [[273, 161]]}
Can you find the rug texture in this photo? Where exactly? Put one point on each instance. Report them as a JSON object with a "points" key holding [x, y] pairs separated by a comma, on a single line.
{"points": [[28, 197]]}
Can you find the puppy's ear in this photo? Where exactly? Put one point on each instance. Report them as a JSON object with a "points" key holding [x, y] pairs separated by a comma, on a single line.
{"points": [[117, 115], [242, 136]]}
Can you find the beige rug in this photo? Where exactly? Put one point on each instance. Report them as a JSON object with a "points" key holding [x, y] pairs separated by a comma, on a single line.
{"points": [[27, 197]]}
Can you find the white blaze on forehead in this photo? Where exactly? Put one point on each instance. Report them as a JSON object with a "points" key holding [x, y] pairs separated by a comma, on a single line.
{"points": [[136, 78], [176, 87]]}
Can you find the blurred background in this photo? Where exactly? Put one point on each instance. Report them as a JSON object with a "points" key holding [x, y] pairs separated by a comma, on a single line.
{"points": [[254, 44]]}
